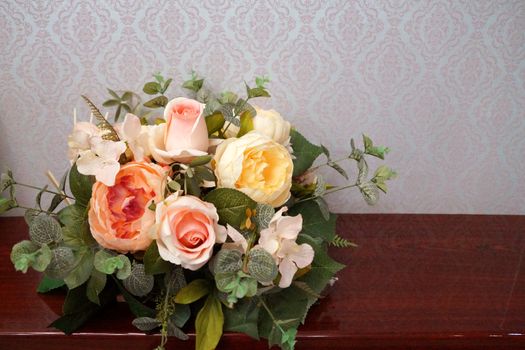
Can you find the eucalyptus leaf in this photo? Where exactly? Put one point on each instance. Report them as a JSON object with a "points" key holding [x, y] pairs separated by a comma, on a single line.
{"points": [[157, 102]]}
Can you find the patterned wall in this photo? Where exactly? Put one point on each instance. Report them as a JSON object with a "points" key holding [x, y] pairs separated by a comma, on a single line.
{"points": [[440, 82]]}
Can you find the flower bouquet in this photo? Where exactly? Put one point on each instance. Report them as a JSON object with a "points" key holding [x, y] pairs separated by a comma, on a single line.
{"points": [[212, 209]]}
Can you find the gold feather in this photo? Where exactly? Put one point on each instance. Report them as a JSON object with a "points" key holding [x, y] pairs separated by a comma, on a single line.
{"points": [[102, 123]]}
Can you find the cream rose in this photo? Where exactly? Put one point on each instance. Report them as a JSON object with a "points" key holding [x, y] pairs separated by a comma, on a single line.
{"points": [[256, 165], [119, 217], [183, 136], [187, 230], [267, 122]]}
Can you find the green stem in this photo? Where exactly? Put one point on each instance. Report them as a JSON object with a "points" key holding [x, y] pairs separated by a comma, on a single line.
{"points": [[235, 116], [327, 192], [41, 189], [327, 163], [40, 210]]}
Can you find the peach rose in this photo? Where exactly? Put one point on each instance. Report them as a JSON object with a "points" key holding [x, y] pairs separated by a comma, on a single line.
{"points": [[183, 136], [119, 216], [187, 231]]}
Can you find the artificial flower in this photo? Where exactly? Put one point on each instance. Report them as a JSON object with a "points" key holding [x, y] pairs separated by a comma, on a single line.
{"points": [[267, 122], [135, 135], [279, 239], [183, 136], [119, 215], [256, 165], [187, 230]]}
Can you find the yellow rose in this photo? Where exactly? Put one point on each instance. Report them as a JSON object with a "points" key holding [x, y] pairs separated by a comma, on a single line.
{"points": [[256, 165]]}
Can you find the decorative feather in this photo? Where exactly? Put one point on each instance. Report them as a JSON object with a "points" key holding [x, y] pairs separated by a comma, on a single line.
{"points": [[102, 123]]}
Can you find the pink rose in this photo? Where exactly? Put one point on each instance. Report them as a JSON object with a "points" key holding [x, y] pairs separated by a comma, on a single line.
{"points": [[119, 217], [187, 231], [183, 136]]}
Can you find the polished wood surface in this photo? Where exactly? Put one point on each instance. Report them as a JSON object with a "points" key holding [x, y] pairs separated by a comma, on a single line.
{"points": [[414, 282]]}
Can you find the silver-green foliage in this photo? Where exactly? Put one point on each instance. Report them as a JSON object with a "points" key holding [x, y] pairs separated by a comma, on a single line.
{"points": [[27, 254], [108, 263], [45, 230], [138, 283], [261, 265], [263, 215], [227, 261], [62, 262]]}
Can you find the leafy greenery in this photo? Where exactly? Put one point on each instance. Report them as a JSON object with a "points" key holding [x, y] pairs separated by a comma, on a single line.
{"points": [[195, 290], [341, 242], [153, 263], [48, 284], [121, 102], [138, 282], [243, 317], [209, 323], [231, 205], [194, 83], [314, 223], [45, 230], [304, 151], [80, 186]]}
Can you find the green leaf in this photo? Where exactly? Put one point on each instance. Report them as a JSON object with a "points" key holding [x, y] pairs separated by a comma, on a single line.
{"points": [[82, 270], [208, 324], [157, 102], [42, 258], [193, 84], [214, 122], [341, 242], [6, 204], [228, 114], [48, 284], [195, 290], [261, 81], [246, 124], [126, 96], [228, 97], [231, 205], [263, 215], [174, 331], [45, 230], [261, 265], [200, 160], [376, 151], [23, 254], [138, 283], [39, 196], [338, 168], [58, 198], [146, 324], [108, 263], [152, 88], [166, 85], [370, 192], [62, 262], [111, 103], [243, 318], [153, 263], [382, 174], [305, 152], [256, 92], [80, 186], [227, 260], [113, 93], [362, 167], [314, 223], [95, 285], [323, 207], [136, 307]]}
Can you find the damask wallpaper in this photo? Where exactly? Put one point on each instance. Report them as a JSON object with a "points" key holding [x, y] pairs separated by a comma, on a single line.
{"points": [[442, 83]]}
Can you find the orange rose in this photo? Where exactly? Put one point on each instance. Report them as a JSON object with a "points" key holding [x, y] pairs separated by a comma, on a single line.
{"points": [[119, 217]]}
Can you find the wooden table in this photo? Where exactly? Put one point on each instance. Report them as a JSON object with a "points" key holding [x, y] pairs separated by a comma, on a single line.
{"points": [[415, 282]]}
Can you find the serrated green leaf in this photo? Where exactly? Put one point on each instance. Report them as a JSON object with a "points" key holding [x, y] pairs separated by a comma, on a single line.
{"points": [[153, 263], [231, 205], [157, 102], [195, 290], [243, 317], [208, 324], [314, 223], [305, 152]]}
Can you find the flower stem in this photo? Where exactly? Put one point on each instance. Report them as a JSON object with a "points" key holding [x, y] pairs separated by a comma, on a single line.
{"points": [[327, 192], [328, 163], [41, 189], [40, 210]]}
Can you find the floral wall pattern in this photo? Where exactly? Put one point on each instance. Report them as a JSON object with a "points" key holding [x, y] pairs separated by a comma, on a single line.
{"points": [[440, 82]]}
